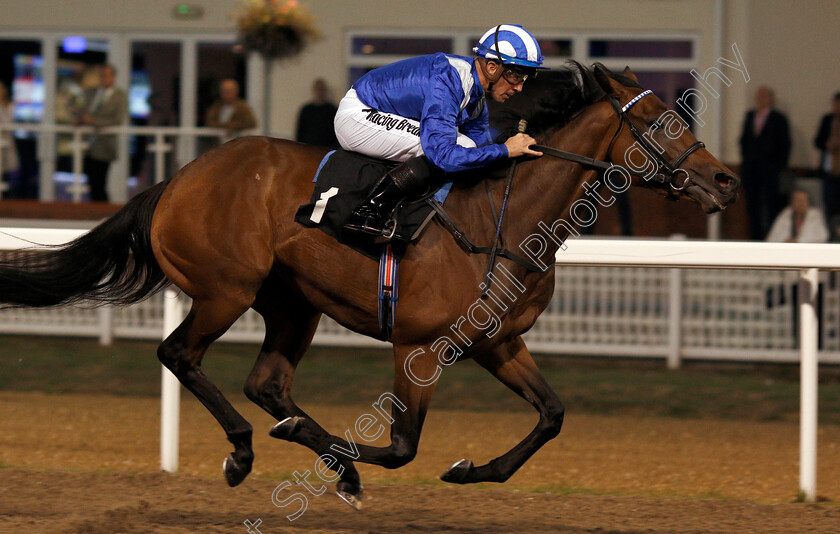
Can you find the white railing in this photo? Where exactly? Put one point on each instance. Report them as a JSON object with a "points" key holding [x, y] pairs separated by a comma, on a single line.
{"points": [[159, 135], [644, 298], [808, 259], [606, 311]]}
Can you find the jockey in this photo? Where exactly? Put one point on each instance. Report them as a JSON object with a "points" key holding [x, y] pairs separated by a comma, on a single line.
{"points": [[431, 110]]}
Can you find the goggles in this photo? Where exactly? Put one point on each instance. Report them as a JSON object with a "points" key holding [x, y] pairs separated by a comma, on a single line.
{"points": [[514, 77]]}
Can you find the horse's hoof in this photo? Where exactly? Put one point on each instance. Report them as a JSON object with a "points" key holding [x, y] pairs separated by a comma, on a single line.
{"points": [[350, 494], [235, 472], [286, 428], [354, 501], [457, 474]]}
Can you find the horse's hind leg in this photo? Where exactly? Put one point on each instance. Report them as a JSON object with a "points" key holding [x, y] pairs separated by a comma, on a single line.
{"points": [[289, 329], [409, 403], [182, 353], [513, 365]]}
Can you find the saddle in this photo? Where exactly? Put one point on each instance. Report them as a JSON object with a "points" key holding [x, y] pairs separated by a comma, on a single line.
{"points": [[342, 181]]}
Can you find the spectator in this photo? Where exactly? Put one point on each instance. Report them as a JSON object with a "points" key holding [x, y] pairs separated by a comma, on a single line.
{"points": [[765, 148], [104, 106], [230, 112], [69, 102], [799, 222], [315, 120], [7, 140], [828, 142]]}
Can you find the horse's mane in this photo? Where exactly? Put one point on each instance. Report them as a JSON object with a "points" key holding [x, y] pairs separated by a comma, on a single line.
{"points": [[549, 101]]}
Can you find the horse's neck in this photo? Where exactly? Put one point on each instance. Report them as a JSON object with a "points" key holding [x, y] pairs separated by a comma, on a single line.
{"points": [[545, 189]]}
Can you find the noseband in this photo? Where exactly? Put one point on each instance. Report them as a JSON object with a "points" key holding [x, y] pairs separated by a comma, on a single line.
{"points": [[666, 172]]}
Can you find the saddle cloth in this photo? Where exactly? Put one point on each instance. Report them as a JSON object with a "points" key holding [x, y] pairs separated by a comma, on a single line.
{"points": [[342, 182]]}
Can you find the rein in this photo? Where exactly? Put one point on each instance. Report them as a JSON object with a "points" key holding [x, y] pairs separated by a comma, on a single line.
{"points": [[671, 170], [491, 265]]}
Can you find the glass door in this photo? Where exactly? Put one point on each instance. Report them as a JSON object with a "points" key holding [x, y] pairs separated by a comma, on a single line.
{"points": [[22, 101], [219, 64], [79, 60], [154, 101]]}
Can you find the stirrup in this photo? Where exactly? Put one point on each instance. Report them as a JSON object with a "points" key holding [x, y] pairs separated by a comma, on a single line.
{"points": [[389, 231], [365, 220], [384, 234]]}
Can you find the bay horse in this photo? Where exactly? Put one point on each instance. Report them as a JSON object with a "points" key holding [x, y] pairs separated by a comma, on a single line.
{"points": [[222, 230]]}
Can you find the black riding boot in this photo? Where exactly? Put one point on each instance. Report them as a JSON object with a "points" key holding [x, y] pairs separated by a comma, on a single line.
{"points": [[372, 215]]}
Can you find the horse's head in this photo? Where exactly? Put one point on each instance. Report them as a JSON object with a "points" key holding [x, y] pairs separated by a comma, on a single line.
{"points": [[655, 143]]}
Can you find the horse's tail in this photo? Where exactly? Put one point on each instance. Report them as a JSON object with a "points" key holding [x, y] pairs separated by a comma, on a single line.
{"points": [[111, 264]]}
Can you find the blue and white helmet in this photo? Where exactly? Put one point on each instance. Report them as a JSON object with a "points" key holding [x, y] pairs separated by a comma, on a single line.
{"points": [[511, 45]]}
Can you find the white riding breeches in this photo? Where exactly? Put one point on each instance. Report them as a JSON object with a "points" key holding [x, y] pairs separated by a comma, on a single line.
{"points": [[362, 129]]}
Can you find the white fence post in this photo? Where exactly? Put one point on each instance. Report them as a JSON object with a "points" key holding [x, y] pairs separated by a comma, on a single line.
{"points": [[106, 325], [675, 303], [170, 390], [809, 378], [675, 277]]}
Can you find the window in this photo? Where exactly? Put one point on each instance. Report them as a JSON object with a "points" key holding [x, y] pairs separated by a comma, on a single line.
{"points": [[552, 48], [410, 46], [661, 63], [638, 48], [369, 49]]}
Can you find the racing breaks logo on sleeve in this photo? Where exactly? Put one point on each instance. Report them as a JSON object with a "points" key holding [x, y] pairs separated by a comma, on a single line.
{"points": [[391, 122]]}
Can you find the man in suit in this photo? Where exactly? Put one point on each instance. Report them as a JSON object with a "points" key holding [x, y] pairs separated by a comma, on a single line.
{"points": [[230, 112], [104, 106], [765, 148], [828, 142]]}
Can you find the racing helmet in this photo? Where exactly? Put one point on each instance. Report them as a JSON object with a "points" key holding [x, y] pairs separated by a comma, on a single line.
{"points": [[512, 45]]}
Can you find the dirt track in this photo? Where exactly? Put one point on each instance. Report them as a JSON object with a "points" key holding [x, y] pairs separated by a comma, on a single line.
{"points": [[133, 504], [89, 464]]}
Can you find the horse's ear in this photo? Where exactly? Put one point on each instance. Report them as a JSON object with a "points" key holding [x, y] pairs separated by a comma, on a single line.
{"points": [[602, 76], [629, 73], [605, 79]]}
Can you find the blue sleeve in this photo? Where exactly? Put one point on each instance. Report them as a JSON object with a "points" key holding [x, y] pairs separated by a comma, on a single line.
{"points": [[439, 128], [479, 129]]}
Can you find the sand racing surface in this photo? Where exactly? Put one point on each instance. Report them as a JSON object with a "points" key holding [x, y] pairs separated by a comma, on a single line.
{"points": [[90, 463]]}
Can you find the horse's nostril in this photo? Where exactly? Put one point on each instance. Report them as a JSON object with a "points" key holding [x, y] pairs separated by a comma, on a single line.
{"points": [[723, 180]]}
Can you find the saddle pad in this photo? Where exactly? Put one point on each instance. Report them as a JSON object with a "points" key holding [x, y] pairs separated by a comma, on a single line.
{"points": [[342, 182]]}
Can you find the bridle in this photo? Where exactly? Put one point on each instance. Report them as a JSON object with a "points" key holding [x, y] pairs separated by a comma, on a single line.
{"points": [[666, 172], [671, 170]]}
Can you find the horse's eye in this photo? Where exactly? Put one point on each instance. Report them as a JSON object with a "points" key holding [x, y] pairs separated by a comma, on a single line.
{"points": [[655, 124]]}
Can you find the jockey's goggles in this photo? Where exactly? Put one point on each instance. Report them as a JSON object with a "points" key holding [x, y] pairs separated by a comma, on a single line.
{"points": [[514, 76]]}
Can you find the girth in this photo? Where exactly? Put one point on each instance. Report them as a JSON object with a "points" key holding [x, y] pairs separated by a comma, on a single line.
{"points": [[470, 247]]}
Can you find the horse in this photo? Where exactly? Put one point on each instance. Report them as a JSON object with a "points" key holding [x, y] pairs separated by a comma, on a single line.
{"points": [[222, 230]]}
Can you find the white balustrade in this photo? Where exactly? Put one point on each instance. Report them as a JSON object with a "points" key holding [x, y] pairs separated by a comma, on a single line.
{"points": [[159, 147]]}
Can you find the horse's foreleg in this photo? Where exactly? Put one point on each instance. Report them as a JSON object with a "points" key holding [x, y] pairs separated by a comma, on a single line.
{"points": [[288, 334], [182, 353], [513, 365], [409, 403]]}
